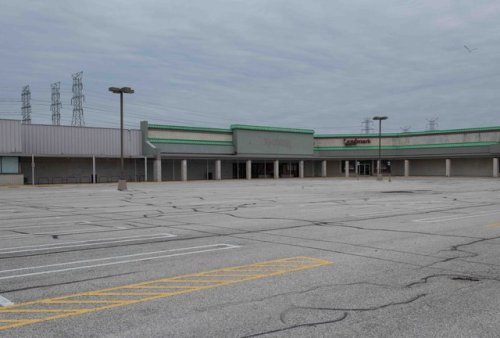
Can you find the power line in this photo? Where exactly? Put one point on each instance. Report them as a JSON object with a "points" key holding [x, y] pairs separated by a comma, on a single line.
{"points": [[77, 100], [56, 105]]}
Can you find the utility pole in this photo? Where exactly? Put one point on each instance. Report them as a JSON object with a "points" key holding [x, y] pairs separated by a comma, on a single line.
{"points": [[26, 105], [56, 105], [77, 100]]}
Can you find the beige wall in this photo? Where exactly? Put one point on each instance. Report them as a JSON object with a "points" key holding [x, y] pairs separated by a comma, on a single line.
{"points": [[414, 140], [189, 135]]}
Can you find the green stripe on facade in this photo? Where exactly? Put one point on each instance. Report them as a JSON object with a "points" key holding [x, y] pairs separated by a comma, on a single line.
{"points": [[184, 128], [414, 133], [416, 146], [276, 129], [187, 141], [320, 136]]}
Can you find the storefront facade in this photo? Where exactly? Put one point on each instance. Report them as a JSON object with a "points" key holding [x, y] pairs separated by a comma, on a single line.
{"points": [[42, 154]]}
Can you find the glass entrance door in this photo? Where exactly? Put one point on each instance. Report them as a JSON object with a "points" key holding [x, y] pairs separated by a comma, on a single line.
{"points": [[289, 169], [364, 168]]}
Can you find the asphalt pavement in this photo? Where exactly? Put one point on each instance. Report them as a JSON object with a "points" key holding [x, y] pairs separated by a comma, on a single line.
{"points": [[357, 257]]}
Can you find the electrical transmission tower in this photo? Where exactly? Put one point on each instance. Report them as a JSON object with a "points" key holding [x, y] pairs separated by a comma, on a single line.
{"points": [[432, 124], [77, 100], [26, 105], [367, 125], [55, 107]]}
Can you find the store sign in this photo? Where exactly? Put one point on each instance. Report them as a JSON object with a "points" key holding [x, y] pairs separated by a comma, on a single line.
{"points": [[355, 141]]}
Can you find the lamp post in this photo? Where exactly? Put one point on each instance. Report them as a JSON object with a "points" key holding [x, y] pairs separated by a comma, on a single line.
{"points": [[122, 183], [379, 119]]}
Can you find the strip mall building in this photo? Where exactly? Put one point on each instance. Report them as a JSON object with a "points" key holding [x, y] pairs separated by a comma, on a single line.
{"points": [[46, 154]]}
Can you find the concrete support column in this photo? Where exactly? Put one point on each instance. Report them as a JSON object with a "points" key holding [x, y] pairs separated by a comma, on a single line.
{"points": [[323, 168], [407, 168], [346, 168], [276, 169], [495, 167], [184, 170], [249, 169], [145, 169], [157, 169], [301, 169], [448, 167], [94, 180], [218, 174]]}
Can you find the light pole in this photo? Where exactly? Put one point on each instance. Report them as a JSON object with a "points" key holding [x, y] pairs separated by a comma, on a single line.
{"points": [[122, 183], [379, 119]]}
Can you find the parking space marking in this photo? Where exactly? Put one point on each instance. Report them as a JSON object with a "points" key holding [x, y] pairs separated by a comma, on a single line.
{"points": [[494, 225], [152, 256], [5, 302], [453, 218], [91, 301], [73, 244]]}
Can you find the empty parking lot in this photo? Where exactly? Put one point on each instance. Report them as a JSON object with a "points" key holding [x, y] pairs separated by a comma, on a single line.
{"points": [[310, 257]]}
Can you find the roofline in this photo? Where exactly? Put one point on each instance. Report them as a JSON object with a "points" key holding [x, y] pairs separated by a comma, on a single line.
{"points": [[275, 129], [186, 128]]}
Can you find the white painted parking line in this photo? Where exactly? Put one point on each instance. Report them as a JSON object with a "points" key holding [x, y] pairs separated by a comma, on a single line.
{"points": [[178, 252], [5, 302], [377, 213], [52, 224], [75, 244], [453, 218], [66, 233]]}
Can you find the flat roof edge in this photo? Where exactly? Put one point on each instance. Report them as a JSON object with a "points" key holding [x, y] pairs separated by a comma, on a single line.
{"points": [[187, 128], [267, 128]]}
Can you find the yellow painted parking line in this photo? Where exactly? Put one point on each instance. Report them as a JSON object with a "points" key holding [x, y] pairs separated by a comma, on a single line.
{"points": [[161, 287], [38, 310], [120, 296], [133, 294], [81, 301]]}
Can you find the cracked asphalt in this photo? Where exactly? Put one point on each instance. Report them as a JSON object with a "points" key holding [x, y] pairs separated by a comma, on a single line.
{"points": [[414, 257]]}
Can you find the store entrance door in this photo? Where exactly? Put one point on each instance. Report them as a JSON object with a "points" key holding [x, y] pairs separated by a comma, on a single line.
{"points": [[365, 168]]}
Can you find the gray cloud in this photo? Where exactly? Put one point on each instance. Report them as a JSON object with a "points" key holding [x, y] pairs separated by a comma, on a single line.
{"points": [[317, 64]]}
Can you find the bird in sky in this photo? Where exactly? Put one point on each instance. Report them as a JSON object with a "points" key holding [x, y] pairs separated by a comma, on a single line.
{"points": [[469, 49]]}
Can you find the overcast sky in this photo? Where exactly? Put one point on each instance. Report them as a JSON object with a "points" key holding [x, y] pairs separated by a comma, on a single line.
{"points": [[319, 64]]}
